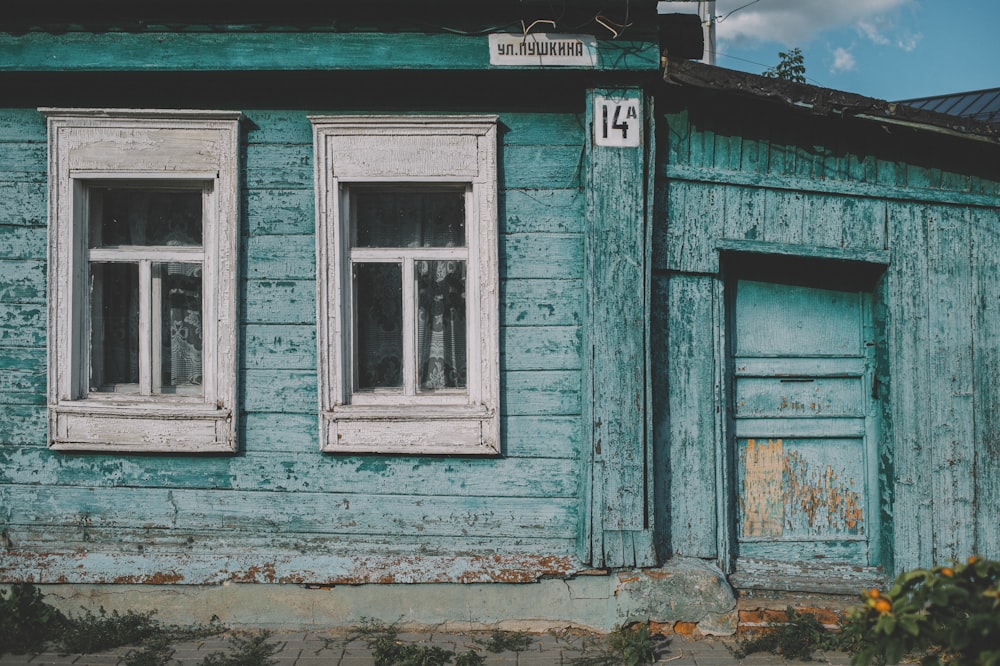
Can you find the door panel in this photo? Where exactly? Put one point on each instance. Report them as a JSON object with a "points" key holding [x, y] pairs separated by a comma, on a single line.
{"points": [[801, 415]]}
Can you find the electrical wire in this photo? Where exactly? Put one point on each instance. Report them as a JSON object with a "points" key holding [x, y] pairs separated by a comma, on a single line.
{"points": [[728, 14]]}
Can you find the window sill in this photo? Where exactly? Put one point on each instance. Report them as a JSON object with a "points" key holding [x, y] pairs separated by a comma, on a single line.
{"points": [[140, 427], [410, 430]]}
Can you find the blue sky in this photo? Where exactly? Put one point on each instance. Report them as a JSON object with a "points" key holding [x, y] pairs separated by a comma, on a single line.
{"points": [[890, 49]]}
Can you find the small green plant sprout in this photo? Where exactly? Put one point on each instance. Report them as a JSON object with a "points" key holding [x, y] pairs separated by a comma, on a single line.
{"points": [[624, 646], [506, 641], [948, 615], [383, 641], [797, 637], [249, 649], [26, 621]]}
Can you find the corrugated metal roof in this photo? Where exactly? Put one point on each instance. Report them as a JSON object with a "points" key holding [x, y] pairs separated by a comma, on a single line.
{"points": [[982, 105]]}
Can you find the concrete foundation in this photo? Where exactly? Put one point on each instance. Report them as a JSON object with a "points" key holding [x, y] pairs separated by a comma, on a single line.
{"points": [[685, 590]]}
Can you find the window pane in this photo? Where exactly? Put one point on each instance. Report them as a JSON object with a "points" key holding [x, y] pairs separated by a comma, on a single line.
{"points": [[114, 329], [135, 216], [177, 287], [378, 325], [441, 344], [409, 219]]}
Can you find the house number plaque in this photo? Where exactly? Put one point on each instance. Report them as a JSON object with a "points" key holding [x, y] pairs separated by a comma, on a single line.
{"points": [[617, 122]]}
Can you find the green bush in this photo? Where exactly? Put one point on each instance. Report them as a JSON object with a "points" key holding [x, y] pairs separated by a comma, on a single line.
{"points": [[945, 615], [26, 621]]}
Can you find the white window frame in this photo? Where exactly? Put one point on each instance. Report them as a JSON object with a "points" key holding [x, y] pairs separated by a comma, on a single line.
{"points": [[98, 147], [431, 151]]}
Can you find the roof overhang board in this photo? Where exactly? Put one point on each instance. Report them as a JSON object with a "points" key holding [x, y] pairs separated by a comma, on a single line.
{"points": [[285, 51], [825, 101]]}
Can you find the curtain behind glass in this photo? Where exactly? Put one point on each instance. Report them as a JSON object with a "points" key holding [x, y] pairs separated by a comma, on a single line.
{"points": [[387, 219]]}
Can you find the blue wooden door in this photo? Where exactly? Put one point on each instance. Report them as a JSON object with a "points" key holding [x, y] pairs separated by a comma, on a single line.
{"points": [[803, 420]]}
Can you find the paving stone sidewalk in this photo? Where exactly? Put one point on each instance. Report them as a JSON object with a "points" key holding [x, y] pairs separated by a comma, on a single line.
{"points": [[318, 648]]}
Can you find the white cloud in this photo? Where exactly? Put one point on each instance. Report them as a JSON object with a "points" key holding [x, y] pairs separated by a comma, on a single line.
{"points": [[908, 41], [843, 61], [873, 30], [797, 22]]}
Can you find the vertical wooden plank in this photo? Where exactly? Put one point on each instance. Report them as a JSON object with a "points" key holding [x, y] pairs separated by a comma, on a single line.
{"points": [[691, 408], [951, 431], [696, 223], [744, 208], [985, 240], [823, 219], [783, 216], [863, 223], [910, 388], [618, 320]]}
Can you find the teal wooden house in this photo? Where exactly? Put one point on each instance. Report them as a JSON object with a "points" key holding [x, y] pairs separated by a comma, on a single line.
{"points": [[477, 313]]}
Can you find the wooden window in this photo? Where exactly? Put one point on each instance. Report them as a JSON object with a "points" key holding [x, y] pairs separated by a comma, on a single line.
{"points": [[142, 280], [408, 283]]}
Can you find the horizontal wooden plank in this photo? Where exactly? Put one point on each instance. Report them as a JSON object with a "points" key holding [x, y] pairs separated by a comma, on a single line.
{"points": [[542, 167], [826, 186], [24, 125], [206, 541], [541, 256], [545, 210], [541, 436], [541, 302], [516, 129], [23, 426], [21, 371], [23, 157], [279, 512], [279, 346], [22, 242], [279, 166], [281, 391], [281, 257], [280, 212], [763, 428], [22, 281], [275, 51], [22, 325], [24, 204], [280, 301], [522, 436], [296, 473], [541, 348], [542, 129], [540, 393], [131, 556]]}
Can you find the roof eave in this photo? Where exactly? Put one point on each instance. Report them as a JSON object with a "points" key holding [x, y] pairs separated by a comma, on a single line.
{"points": [[825, 101]]}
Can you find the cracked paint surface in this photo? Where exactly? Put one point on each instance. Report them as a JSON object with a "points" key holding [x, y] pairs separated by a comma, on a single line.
{"points": [[783, 493]]}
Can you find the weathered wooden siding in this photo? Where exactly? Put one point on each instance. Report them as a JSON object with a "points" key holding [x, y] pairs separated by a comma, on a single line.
{"points": [[768, 181], [294, 513]]}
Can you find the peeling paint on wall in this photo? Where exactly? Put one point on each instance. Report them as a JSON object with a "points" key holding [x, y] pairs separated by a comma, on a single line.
{"points": [[784, 493], [763, 487]]}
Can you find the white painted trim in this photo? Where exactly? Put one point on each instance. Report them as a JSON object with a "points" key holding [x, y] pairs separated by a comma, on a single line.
{"points": [[93, 145], [407, 149]]}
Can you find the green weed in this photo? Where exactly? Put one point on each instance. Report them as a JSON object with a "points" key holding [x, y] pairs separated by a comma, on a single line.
{"points": [[92, 632], [507, 641], [383, 641], [624, 646], [249, 649], [26, 621], [796, 638]]}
